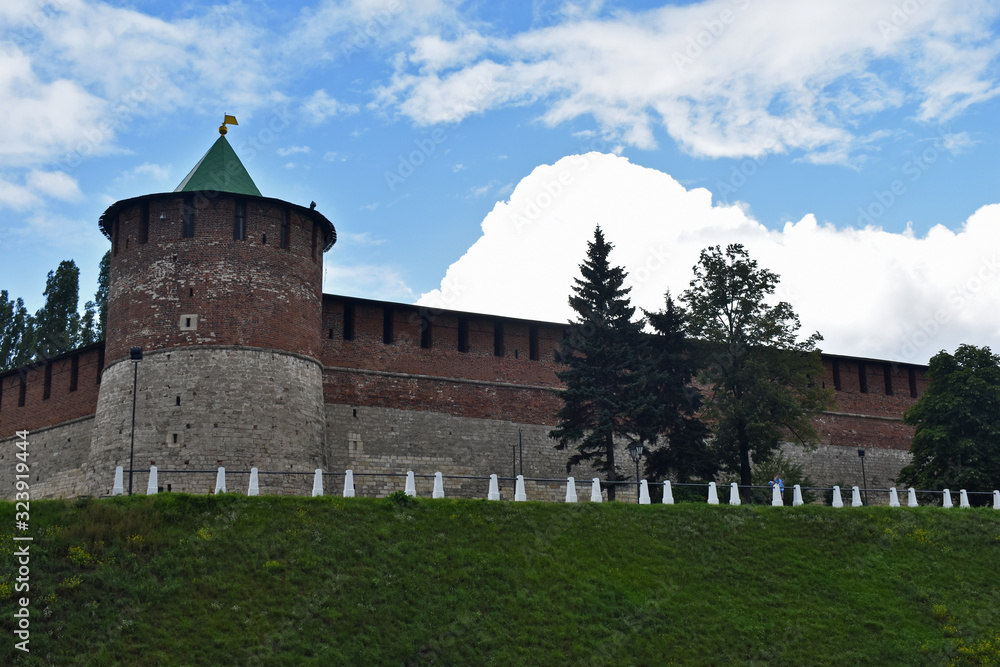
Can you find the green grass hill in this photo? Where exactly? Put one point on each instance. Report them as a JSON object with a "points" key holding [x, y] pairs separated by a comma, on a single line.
{"points": [[177, 579]]}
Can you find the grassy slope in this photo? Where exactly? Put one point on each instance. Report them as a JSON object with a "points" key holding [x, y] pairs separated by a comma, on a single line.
{"points": [[178, 579]]}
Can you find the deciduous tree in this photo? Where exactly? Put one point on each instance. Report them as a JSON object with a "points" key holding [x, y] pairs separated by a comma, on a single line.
{"points": [[757, 373], [956, 440]]}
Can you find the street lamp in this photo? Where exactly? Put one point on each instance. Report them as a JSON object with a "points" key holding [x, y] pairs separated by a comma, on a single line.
{"points": [[635, 451], [864, 477], [135, 354]]}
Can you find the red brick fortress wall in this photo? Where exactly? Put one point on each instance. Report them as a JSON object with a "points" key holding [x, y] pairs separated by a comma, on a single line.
{"points": [[55, 391]]}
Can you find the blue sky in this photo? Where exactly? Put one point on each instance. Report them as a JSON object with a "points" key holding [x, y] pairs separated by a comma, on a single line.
{"points": [[465, 151]]}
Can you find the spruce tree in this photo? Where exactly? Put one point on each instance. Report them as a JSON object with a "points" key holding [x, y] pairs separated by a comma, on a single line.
{"points": [[601, 354], [671, 412]]}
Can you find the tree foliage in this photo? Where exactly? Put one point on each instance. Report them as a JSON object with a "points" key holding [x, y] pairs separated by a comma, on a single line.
{"points": [[602, 356], [57, 327], [671, 411], [956, 440], [758, 374], [57, 323]]}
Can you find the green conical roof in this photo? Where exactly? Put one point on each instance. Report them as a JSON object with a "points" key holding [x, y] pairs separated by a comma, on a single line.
{"points": [[219, 171]]}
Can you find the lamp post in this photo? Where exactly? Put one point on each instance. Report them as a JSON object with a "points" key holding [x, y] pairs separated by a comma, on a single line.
{"points": [[864, 477], [635, 451], [135, 354]]}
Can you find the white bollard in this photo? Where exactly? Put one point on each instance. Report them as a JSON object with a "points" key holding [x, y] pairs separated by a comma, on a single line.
{"points": [[668, 493], [411, 484], [254, 488], [643, 493], [776, 500], [837, 500], [220, 480], [946, 502], [119, 487], [348, 483], [519, 494], [797, 496], [151, 485], [963, 498], [318, 483], [996, 500], [713, 494], [855, 497], [438, 486], [893, 498], [595, 492], [570, 490], [734, 494], [494, 492], [911, 497]]}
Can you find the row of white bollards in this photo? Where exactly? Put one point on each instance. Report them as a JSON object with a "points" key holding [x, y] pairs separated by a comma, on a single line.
{"points": [[410, 489]]}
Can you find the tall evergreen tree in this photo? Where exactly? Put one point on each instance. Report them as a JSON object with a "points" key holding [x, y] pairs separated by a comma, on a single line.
{"points": [[101, 297], [759, 375], [15, 333], [57, 323], [601, 353], [671, 413]]}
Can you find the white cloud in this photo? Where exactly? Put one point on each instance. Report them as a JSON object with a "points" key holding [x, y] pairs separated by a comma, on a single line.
{"points": [[292, 150], [370, 281], [320, 106], [56, 184], [725, 78], [870, 292]]}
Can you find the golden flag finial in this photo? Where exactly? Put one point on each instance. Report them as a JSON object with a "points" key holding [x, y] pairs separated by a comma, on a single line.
{"points": [[227, 120]]}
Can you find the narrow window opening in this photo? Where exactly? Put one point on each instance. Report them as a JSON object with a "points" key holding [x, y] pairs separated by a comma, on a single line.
{"points": [[240, 221], [463, 335], [515, 354], [887, 370], [836, 375], [47, 388], [100, 364], [913, 383], [533, 343], [348, 321], [187, 322], [191, 293], [263, 239], [426, 338], [23, 394], [315, 240], [862, 377], [285, 230], [114, 237], [330, 335], [387, 336], [355, 412], [127, 239], [175, 438], [178, 400], [497, 338], [188, 226], [144, 223], [74, 372]]}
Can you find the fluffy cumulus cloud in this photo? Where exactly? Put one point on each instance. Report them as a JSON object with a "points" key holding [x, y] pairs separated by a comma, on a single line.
{"points": [[724, 78], [869, 292]]}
